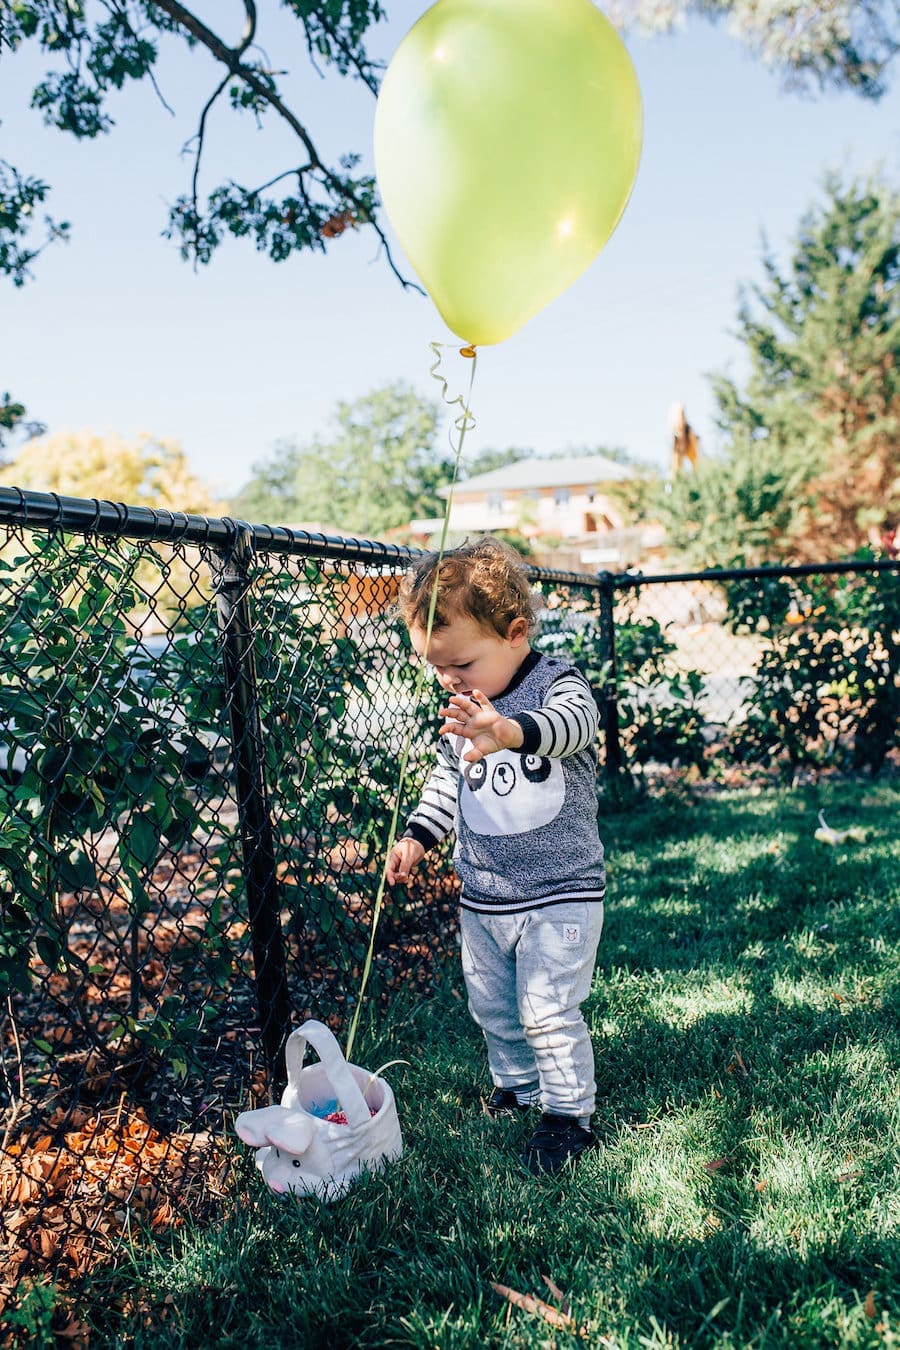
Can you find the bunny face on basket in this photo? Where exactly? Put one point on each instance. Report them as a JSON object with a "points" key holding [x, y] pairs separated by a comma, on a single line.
{"points": [[307, 1145]]}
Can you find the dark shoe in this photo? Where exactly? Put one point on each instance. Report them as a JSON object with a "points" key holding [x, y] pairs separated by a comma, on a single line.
{"points": [[554, 1142], [502, 1102]]}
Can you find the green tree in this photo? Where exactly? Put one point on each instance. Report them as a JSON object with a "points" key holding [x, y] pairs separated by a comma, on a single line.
{"points": [[149, 470], [19, 196], [93, 50], [842, 44], [269, 496], [637, 497], [735, 510], [13, 419], [381, 467], [809, 469]]}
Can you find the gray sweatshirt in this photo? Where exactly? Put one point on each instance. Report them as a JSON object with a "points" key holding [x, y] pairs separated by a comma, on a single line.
{"points": [[526, 819]]}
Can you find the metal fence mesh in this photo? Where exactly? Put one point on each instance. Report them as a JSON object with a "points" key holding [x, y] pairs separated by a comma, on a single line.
{"points": [[118, 837], [200, 734], [769, 674]]}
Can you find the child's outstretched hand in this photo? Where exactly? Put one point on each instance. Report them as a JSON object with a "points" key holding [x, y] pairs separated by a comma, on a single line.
{"points": [[405, 858], [474, 717]]}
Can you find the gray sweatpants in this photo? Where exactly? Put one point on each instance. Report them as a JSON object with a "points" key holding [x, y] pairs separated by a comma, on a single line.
{"points": [[527, 976]]}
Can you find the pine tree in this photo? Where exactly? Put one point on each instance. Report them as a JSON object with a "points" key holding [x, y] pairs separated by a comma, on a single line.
{"points": [[811, 469]]}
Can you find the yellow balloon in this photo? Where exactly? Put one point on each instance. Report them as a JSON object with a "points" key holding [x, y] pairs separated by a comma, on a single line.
{"points": [[507, 139]]}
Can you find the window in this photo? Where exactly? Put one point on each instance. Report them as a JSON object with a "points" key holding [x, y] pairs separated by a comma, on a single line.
{"points": [[561, 496], [495, 501]]}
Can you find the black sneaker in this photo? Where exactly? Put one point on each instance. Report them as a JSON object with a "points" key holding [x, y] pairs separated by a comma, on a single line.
{"points": [[503, 1102], [554, 1142]]}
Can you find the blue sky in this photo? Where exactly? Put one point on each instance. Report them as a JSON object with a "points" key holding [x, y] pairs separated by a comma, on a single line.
{"points": [[116, 333]]}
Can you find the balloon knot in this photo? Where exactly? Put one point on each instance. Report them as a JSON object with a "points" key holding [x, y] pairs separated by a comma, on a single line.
{"points": [[468, 351]]}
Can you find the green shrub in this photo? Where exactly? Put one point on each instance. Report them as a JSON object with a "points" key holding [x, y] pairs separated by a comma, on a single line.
{"points": [[83, 755], [827, 684], [658, 714]]}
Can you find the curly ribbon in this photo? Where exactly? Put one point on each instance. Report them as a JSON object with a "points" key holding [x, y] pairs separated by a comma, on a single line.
{"points": [[462, 423]]}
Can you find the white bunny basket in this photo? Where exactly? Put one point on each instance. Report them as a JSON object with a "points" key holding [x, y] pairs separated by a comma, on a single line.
{"points": [[298, 1150]]}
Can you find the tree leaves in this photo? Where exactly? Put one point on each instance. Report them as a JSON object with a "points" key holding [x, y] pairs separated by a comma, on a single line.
{"points": [[379, 468], [102, 54], [809, 469], [834, 44]]}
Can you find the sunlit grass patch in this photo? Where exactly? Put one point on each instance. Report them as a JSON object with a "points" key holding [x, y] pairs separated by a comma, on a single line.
{"points": [[683, 1002], [818, 1193], [665, 1175]]}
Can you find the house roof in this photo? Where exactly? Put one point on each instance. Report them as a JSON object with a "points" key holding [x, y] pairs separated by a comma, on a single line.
{"points": [[546, 473]]}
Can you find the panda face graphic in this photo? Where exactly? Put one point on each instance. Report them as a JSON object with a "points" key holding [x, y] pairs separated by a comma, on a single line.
{"points": [[508, 793]]}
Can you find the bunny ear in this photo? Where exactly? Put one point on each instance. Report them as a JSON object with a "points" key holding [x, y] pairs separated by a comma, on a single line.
{"points": [[254, 1126], [292, 1131]]}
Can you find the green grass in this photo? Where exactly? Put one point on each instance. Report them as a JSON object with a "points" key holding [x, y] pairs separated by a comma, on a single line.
{"points": [[746, 1012]]}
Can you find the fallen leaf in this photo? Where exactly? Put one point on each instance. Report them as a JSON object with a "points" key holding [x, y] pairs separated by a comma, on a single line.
{"points": [[718, 1163], [849, 1176], [557, 1294], [534, 1305], [869, 1305], [761, 1184], [77, 1333]]}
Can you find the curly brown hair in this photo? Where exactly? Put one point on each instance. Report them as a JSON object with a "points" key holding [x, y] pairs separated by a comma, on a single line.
{"points": [[484, 580]]}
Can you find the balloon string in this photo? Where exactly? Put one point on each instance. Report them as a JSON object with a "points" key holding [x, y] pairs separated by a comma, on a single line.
{"points": [[462, 423]]}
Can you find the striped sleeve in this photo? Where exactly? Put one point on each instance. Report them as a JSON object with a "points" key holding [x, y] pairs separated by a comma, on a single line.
{"points": [[567, 721], [435, 816]]}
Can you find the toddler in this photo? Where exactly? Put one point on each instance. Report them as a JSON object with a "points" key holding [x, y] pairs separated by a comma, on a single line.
{"points": [[515, 777]]}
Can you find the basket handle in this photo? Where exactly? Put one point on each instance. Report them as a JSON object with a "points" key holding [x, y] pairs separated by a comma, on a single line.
{"points": [[337, 1069]]}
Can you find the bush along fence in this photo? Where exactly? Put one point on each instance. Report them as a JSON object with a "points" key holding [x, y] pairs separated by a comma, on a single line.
{"points": [[200, 729]]}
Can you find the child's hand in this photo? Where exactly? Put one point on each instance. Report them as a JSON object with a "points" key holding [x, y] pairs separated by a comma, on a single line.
{"points": [[474, 717], [405, 858]]}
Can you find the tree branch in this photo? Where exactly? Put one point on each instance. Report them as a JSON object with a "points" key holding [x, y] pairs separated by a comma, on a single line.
{"points": [[363, 68], [230, 57], [201, 132], [249, 27], [122, 11]]}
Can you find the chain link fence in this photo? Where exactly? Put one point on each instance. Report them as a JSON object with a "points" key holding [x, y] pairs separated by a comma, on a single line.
{"points": [[200, 730], [769, 674]]}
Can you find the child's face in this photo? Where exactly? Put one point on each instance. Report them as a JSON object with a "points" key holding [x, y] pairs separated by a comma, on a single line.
{"points": [[466, 656]]}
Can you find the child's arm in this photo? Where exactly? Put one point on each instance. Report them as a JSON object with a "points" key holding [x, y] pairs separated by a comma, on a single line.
{"points": [[566, 723], [432, 819]]}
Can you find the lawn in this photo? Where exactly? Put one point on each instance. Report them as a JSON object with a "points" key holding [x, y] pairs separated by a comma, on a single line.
{"points": [[746, 1014]]}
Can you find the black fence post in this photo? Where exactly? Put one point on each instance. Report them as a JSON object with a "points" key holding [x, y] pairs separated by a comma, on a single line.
{"points": [[232, 579], [609, 708]]}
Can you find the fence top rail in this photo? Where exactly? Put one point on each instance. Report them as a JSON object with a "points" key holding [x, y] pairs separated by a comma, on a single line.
{"points": [[82, 515], [92, 515], [633, 580]]}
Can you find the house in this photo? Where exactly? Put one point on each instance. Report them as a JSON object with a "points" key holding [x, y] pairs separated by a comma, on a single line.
{"points": [[567, 501]]}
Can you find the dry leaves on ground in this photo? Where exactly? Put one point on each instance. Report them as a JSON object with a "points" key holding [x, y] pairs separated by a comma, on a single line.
{"points": [[68, 1192]]}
